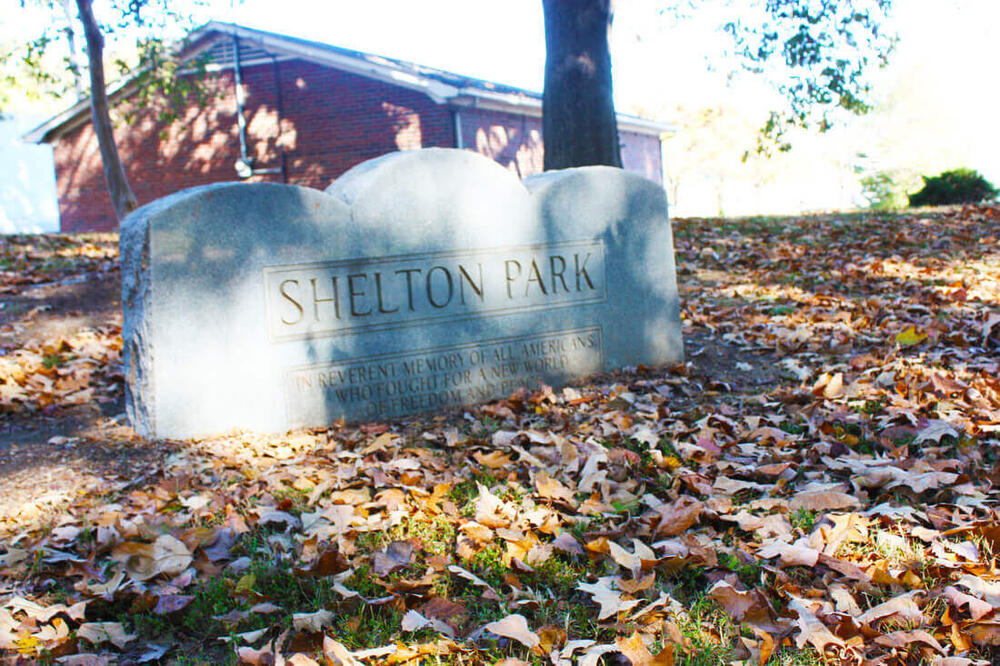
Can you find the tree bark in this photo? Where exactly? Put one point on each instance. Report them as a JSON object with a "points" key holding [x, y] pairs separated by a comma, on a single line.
{"points": [[122, 199], [579, 125]]}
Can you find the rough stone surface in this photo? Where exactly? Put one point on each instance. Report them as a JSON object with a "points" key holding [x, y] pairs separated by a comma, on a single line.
{"points": [[419, 280]]}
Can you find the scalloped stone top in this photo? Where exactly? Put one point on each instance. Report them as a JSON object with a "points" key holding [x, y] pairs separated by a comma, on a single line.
{"points": [[419, 280]]}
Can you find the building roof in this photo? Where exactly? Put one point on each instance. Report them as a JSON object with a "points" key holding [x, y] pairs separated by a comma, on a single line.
{"points": [[257, 46]]}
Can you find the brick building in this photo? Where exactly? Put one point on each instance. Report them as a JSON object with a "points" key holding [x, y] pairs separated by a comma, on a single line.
{"points": [[307, 113]]}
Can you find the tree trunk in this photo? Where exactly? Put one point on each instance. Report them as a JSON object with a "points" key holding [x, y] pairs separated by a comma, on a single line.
{"points": [[122, 199], [579, 125]]}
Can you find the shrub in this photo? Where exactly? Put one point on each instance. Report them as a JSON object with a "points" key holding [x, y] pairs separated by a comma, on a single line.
{"points": [[954, 187]]}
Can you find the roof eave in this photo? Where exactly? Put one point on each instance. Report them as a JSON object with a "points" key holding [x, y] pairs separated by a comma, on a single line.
{"points": [[532, 106], [439, 91], [44, 132]]}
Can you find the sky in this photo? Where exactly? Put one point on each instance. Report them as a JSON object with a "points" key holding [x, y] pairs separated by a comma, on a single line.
{"points": [[940, 73]]}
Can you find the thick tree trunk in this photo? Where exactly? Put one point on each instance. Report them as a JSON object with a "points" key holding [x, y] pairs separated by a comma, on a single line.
{"points": [[579, 126], [122, 199]]}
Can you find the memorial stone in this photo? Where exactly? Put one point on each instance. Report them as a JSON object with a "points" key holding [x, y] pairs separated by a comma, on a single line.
{"points": [[418, 280]]}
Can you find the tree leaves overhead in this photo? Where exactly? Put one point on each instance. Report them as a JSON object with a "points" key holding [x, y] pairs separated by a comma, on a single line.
{"points": [[135, 33], [817, 54]]}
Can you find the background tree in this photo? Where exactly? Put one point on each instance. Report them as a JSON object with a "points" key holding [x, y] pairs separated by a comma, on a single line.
{"points": [[578, 110], [817, 54], [122, 198], [138, 28]]}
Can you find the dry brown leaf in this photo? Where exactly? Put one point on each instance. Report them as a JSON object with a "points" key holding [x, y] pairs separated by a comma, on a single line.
{"points": [[551, 489], [490, 509], [903, 639], [790, 554], [641, 557], [395, 556], [977, 607], [567, 543], [638, 654], [105, 632], [811, 630], [414, 621], [741, 605], [494, 459], [823, 500], [901, 609], [675, 518], [635, 585], [312, 622], [552, 637], [610, 600], [514, 626], [337, 654]]}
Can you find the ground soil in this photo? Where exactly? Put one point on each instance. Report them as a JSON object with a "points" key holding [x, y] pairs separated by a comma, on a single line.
{"points": [[92, 440]]}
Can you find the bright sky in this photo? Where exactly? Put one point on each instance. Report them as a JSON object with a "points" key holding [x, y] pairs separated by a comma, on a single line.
{"points": [[943, 65], [498, 41], [658, 61]]}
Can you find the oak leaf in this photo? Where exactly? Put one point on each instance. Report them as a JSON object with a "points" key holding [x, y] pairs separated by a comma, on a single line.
{"points": [[337, 654], [638, 654], [790, 554], [738, 604], [674, 518], [414, 621], [902, 608], [396, 556], [551, 489], [610, 600], [977, 607]]}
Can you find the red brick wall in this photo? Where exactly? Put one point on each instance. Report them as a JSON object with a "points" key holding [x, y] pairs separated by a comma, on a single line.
{"points": [[512, 140], [330, 121]]}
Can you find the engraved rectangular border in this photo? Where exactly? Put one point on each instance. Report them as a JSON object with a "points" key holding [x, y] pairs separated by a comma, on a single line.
{"points": [[420, 321], [288, 380]]}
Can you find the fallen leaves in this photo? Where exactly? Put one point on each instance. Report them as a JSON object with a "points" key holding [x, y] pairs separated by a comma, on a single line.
{"points": [[819, 477]]}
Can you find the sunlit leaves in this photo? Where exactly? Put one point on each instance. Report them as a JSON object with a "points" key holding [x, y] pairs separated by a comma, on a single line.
{"points": [[805, 480]]}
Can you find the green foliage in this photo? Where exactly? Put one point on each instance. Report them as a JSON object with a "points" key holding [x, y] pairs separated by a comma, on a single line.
{"points": [[750, 572], [53, 61], [958, 186], [818, 56], [804, 520]]}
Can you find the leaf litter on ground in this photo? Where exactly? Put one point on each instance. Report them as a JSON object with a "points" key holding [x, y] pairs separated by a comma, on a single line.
{"points": [[818, 478]]}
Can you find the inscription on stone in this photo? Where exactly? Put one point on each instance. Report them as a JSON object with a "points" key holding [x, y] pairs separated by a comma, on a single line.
{"points": [[385, 386], [419, 280], [336, 297]]}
